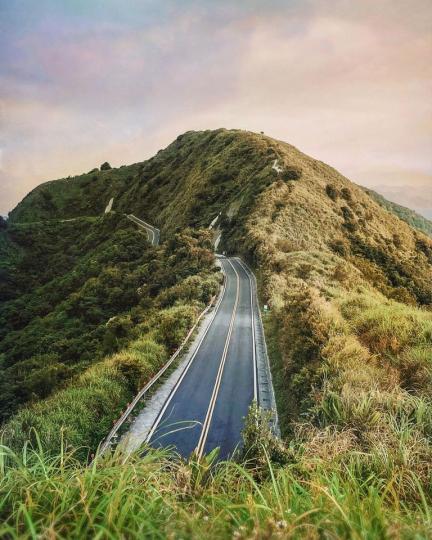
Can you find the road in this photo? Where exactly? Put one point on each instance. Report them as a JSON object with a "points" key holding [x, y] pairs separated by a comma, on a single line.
{"points": [[207, 406], [153, 234]]}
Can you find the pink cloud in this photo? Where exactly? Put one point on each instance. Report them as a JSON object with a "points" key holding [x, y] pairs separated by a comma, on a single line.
{"points": [[348, 83]]}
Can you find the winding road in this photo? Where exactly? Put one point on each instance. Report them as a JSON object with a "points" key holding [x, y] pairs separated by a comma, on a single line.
{"points": [[207, 406], [153, 234]]}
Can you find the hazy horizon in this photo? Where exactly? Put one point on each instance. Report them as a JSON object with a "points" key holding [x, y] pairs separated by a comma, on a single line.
{"points": [[88, 82]]}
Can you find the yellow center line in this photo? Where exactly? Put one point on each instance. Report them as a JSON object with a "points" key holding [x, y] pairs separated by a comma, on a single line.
{"points": [[189, 364], [207, 421]]}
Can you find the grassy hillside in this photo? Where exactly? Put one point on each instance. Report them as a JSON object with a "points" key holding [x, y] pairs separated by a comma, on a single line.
{"points": [[203, 173], [411, 217], [77, 196], [349, 331], [84, 291]]}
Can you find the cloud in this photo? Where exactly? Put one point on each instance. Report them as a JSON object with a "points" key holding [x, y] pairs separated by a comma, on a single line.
{"points": [[348, 83]]}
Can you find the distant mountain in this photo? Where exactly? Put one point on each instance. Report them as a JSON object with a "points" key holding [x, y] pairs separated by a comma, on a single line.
{"points": [[409, 216]]}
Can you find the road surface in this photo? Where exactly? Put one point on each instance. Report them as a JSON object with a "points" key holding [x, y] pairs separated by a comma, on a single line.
{"points": [[153, 234], [207, 406]]}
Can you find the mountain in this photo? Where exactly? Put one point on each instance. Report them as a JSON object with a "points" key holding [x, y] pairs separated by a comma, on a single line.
{"points": [[201, 174], [349, 326]]}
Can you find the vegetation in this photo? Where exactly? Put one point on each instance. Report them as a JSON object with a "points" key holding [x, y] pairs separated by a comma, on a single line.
{"points": [[81, 415], [156, 495], [349, 331], [95, 294], [72, 197], [357, 381]]}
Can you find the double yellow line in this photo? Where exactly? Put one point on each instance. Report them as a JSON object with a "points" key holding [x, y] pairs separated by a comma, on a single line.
{"points": [[199, 450], [208, 418], [176, 386]]}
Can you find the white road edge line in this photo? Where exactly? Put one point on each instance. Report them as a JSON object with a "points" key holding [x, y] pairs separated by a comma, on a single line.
{"points": [[212, 404], [255, 365], [174, 390], [144, 225]]}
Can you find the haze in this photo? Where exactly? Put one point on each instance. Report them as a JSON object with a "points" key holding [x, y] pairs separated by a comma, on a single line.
{"points": [[349, 83]]}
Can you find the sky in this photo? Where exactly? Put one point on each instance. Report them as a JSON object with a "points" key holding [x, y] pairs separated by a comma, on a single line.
{"points": [[348, 82]]}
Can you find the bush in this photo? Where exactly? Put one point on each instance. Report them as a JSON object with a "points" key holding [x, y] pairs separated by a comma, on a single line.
{"points": [[105, 166], [332, 192], [341, 247], [346, 194], [174, 323], [291, 173], [139, 362], [220, 176]]}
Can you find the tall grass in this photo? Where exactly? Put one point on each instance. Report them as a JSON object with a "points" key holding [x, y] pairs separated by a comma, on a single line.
{"points": [[156, 495], [353, 372]]}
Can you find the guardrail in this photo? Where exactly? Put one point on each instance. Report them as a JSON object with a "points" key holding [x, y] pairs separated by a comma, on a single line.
{"points": [[155, 233], [266, 396], [107, 441]]}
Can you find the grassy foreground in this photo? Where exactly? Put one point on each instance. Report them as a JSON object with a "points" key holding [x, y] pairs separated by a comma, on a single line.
{"points": [[156, 496]]}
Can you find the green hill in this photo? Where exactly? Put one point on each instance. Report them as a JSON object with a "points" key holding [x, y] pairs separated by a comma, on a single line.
{"points": [[79, 291], [349, 332]]}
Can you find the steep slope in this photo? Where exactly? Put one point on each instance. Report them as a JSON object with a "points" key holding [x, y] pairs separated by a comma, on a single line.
{"points": [[79, 291], [322, 211], [186, 184]]}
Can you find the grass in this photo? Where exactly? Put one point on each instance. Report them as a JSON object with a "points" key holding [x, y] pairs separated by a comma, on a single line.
{"points": [[354, 383], [157, 495]]}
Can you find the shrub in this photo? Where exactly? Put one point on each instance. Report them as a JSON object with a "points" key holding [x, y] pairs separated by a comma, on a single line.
{"points": [[346, 194], [105, 166], [341, 247], [173, 324], [347, 213], [291, 173], [332, 192], [139, 362], [220, 176]]}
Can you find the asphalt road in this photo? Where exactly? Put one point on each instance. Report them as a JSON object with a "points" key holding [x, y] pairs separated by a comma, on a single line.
{"points": [[153, 234], [206, 408]]}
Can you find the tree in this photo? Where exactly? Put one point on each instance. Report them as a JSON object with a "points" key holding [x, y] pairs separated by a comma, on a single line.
{"points": [[105, 166]]}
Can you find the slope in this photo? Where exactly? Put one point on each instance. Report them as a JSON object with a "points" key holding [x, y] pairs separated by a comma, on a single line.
{"points": [[78, 291]]}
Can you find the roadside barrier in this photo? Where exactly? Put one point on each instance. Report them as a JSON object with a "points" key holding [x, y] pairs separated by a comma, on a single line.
{"points": [[107, 441]]}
